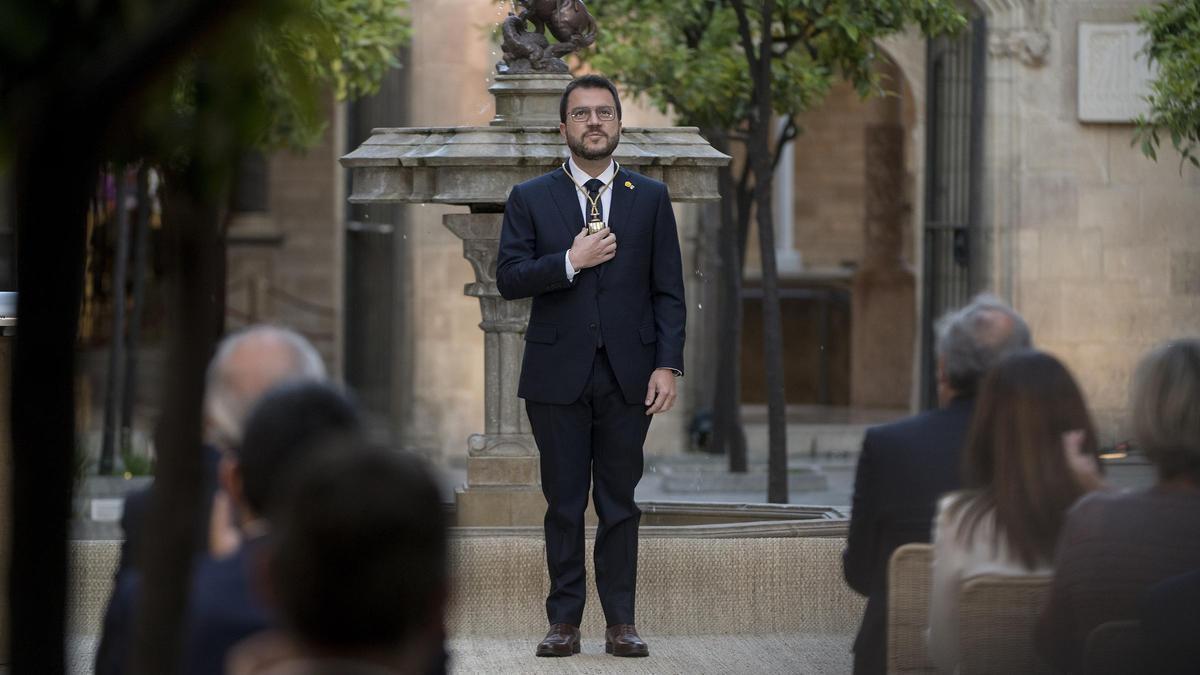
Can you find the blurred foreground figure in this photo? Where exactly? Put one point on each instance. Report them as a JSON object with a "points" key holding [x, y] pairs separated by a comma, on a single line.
{"points": [[289, 425], [1116, 546], [247, 363], [1030, 453], [905, 466], [357, 571]]}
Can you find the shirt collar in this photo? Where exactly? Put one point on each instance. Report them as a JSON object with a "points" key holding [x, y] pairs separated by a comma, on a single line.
{"points": [[582, 177]]}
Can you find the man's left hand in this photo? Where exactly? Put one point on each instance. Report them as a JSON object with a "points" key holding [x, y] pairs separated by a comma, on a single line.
{"points": [[660, 393]]}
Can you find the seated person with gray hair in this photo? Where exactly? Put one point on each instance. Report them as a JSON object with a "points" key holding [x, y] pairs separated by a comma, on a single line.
{"points": [[246, 364], [905, 466], [1116, 546], [291, 423], [357, 571]]}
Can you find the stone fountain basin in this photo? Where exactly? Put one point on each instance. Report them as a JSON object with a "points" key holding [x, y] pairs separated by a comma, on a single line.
{"points": [[709, 520]]}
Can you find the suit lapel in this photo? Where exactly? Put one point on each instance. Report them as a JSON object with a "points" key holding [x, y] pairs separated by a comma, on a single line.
{"points": [[567, 201], [622, 202]]}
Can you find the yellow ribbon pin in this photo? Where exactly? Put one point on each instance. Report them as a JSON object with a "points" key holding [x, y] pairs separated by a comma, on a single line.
{"points": [[629, 184]]}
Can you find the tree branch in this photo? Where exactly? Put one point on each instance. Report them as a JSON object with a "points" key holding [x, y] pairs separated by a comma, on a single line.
{"points": [[785, 136], [747, 38]]}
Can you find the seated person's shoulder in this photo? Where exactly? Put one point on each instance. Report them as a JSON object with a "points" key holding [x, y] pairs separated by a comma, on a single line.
{"points": [[1098, 502], [904, 432]]}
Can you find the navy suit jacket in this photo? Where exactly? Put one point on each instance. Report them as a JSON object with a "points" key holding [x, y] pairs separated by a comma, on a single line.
{"points": [[1170, 625], [634, 301], [222, 610], [903, 469]]}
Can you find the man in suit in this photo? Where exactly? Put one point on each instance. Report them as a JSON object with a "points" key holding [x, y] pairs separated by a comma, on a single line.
{"points": [[602, 350], [905, 466], [246, 364], [292, 422]]}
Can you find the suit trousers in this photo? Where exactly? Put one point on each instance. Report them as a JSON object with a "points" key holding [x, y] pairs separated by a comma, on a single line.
{"points": [[594, 442]]}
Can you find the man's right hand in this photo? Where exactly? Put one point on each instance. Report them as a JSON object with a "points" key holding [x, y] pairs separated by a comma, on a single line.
{"points": [[591, 250]]}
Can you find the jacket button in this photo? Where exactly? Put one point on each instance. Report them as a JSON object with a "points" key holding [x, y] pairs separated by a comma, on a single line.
{"points": [[591, 326]]}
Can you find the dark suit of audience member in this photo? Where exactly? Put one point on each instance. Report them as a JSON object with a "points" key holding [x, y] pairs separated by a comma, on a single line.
{"points": [[247, 363], [134, 512], [1170, 619], [903, 469], [224, 608], [117, 625], [905, 466], [291, 423], [221, 612]]}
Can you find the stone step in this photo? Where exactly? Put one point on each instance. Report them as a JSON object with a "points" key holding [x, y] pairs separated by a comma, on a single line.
{"points": [[809, 440], [790, 654], [693, 654]]}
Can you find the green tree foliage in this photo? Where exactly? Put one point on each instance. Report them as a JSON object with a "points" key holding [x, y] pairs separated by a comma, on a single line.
{"points": [[260, 79], [273, 72], [687, 54], [1174, 31]]}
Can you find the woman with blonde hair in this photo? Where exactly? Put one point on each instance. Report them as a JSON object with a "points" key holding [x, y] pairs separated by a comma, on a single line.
{"points": [[1115, 546], [1030, 453]]}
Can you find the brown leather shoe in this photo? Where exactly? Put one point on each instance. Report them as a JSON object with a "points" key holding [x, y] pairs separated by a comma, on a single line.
{"points": [[562, 640], [622, 640]]}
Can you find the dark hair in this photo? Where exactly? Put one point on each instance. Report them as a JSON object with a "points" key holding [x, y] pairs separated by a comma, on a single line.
{"points": [[588, 82], [1014, 464], [360, 550], [1165, 401], [290, 422]]}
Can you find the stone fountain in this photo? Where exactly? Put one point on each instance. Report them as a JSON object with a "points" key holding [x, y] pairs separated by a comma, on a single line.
{"points": [[476, 167]]}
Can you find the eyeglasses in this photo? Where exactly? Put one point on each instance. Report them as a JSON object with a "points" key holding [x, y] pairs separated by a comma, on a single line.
{"points": [[604, 113]]}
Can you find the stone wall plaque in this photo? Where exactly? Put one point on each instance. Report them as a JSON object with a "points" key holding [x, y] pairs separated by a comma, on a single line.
{"points": [[1114, 73]]}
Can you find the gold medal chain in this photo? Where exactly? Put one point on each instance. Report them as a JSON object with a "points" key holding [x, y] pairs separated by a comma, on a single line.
{"points": [[595, 203]]}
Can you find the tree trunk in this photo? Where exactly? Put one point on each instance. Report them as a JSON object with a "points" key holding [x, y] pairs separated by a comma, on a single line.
{"points": [[777, 484], [728, 435], [195, 278], [761, 161], [113, 435], [53, 174], [133, 343]]}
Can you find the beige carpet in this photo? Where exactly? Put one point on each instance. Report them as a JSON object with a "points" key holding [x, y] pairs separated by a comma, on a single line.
{"points": [[682, 655]]}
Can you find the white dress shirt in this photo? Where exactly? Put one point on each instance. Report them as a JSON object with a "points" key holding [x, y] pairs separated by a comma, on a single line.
{"points": [[585, 207]]}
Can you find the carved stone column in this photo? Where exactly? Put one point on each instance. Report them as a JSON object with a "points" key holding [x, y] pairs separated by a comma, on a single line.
{"points": [[884, 306], [502, 463]]}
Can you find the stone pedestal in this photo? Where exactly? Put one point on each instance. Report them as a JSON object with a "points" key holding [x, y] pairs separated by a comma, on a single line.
{"points": [[528, 100], [884, 299]]}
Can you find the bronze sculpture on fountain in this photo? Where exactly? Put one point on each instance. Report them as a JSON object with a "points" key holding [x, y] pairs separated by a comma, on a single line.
{"points": [[529, 51]]}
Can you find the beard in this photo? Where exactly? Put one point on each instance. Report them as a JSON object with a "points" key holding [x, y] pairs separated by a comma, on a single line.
{"points": [[578, 145]]}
